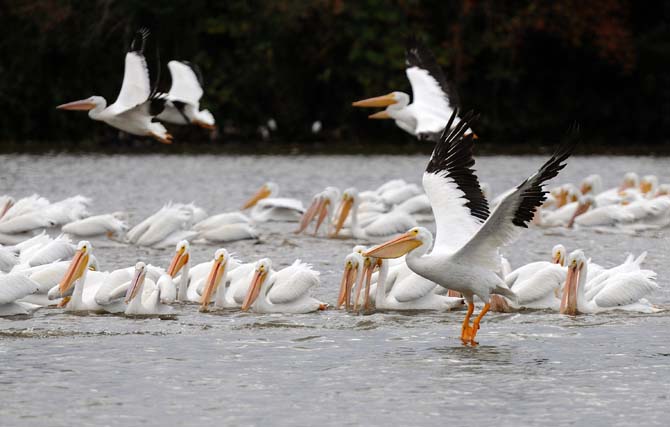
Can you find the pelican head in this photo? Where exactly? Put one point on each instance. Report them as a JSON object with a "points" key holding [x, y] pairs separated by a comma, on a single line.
{"points": [[393, 102], [576, 262], [558, 255], [630, 180], [592, 184], [401, 245], [93, 105], [584, 203], [353, 268], [137, 281], [215, 274], [266, 190], [349, 198], [77, 267], [648, 184], [261, 271], [180, 258], [663, 190]]}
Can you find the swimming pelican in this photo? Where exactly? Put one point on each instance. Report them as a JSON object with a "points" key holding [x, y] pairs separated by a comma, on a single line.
{"points": [[352, 275], [227, 282], [266, 208], [110, 225], [168, 226], [14, 287], [182, 104], [434, 99], [624, 291], [322, 208], [134, 109], [465, 257], [376, 224], [82, 297], [141, 302], [283, 291]]}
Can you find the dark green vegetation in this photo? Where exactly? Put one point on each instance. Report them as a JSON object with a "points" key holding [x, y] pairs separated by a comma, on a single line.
{"points": [[529, 67]]}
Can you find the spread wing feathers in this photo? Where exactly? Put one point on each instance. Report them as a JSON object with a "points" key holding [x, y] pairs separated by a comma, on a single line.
{"points": [[626, 288], [186, 82], [420, 57], [540, 284], [136, 87], [459, 205], [411, 288], [292, 283], [514, 212], [16, 286]]}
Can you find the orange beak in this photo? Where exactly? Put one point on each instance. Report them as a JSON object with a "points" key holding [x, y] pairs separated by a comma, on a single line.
{"points": [[135, 285], [180, 259], [82, 105], [213, 280], [345, 207], [204, 125], [254, 289], [380, 115], [395, 248], [569, 298], [582, 208], [309, 214], [323, 212], [262, 193], [348, 278], [75, 271], [379, 101]]}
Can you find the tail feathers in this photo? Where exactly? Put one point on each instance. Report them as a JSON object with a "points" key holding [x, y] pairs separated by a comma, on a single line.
{"points": [[501, 290]]}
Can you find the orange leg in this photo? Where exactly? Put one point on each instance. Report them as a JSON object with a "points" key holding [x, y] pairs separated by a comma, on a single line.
{"points": [[475, 323], [466, 329]]}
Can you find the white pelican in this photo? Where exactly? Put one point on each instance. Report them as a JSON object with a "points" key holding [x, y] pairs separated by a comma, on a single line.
{"points": [[110, 225], [216, 221], [8, 259], [186, 284], [624, 291], [322, 208], [465, 257], [353, 273], [27, 214], [229, 233], [6, 202], [82, 297], [433, 103], [266, 208], [182, 104], [536, 284], [283, 291], [227, 282], [167, 227], [134, 109], [376, 224], [12, 288], [141, 302]]}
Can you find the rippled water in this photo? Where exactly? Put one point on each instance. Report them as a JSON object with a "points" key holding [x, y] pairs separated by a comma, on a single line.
{"points": [[328, 368]]}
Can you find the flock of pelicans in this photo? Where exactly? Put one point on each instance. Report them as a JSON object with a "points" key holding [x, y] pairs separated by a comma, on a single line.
{"points": [[412, 270]]}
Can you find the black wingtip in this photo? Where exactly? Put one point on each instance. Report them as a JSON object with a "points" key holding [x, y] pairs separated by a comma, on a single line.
{"points": [[140, 40]]}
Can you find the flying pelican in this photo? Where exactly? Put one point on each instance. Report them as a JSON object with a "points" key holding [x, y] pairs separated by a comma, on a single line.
{"points": [[141, 302], [182, 104], [266, 208], [283, 291], [136, 106], [383, 224], [465, 257], [434, 99], [623, 291]]}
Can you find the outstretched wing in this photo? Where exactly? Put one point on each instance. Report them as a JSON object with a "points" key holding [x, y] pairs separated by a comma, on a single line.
{"points": [[514, 212], [186, 82], [136, 87], [433, 98], [458, 203]]}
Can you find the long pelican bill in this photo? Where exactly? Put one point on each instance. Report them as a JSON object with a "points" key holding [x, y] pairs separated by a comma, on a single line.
{"points": [[254, 289], [135, 285], [262, 193], [213, 281], [323, 213], [380, 115], [309, 215], [378, 101], [367, 277], [345, 207], [569, 298], [83, 105], [395, 248], [179, 260], [74, 272], [581, 209], [348, 278]]}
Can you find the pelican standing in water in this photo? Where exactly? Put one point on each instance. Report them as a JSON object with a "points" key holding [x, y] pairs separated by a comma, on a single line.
{"points": [[134, 109], [182, 104], [141, 302], [465, 256], [283, 291], [434, 99]]}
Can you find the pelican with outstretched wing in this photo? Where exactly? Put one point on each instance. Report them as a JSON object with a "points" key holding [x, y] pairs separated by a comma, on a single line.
{"points": [[182, 106]]}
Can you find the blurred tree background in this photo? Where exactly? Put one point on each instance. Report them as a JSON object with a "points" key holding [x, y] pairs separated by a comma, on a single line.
{"points": [[529, 67]]}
